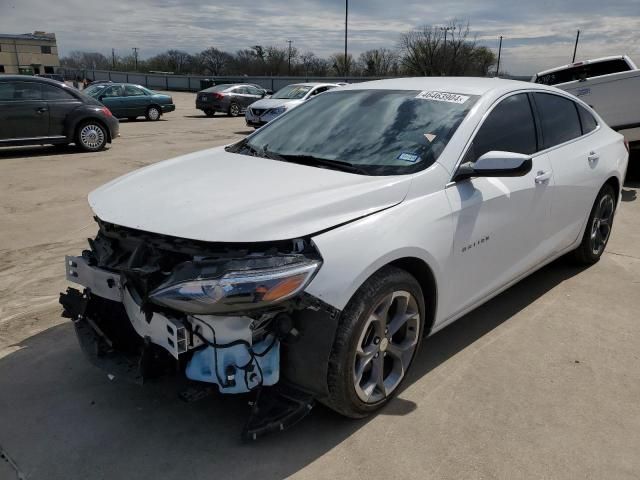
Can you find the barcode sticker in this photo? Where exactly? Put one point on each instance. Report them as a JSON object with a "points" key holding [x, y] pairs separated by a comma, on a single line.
{"points": [[443, 97]]}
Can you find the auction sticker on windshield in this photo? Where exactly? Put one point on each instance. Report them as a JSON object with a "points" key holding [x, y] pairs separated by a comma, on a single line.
{"points": [[443, 97]]}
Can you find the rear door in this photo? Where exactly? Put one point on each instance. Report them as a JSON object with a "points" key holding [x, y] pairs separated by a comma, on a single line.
{"points": [[135, 101], [23, 112], [112, 97], [60, 103], [574, 151], [501, 223]]}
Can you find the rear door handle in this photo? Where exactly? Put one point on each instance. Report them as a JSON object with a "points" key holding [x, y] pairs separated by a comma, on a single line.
{"points": [[593, 156], [543, 177]]}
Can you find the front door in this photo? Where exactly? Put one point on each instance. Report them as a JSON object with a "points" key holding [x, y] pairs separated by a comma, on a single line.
{"points": [[135, 101], [23, 112], [500, 224]]}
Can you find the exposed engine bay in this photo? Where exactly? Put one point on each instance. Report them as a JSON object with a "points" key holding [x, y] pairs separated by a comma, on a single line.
{"points": [[232, 317]]}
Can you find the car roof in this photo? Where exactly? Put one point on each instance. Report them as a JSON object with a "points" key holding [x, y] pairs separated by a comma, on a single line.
{"points": [[462, 85], [313, 84], [29, 78]]}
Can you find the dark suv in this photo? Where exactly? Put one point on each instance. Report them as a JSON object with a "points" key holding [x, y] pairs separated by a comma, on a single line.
{"points": [[40, 111]]}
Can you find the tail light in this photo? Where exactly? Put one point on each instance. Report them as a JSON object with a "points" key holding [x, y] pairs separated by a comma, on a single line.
{"points": [[218, 96], [106, 111], [626, 144]]}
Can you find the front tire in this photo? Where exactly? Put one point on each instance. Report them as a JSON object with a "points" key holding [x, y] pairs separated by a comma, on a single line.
{"points": [[153, 113], [598, 229], [91, 136], [234, 110], [378, 335]]}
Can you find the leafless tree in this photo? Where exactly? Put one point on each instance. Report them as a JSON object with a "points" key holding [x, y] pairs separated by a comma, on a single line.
{"points": [[379, 62]]}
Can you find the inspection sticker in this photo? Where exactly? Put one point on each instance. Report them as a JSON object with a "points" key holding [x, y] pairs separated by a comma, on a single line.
{"points": [[443, 97], [408, 157]]}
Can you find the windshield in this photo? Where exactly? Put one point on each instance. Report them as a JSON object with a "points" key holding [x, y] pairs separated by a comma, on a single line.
{"points": [[292, 92], [380, 132]]}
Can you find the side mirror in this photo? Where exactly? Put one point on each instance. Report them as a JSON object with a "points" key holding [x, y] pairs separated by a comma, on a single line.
{"points": [[264, 94], [496, 164]]}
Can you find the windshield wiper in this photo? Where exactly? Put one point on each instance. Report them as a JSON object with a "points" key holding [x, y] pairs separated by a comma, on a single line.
{"points": [[324, 162]]}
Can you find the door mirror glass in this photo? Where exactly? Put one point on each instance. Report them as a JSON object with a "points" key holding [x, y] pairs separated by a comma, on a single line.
{"points": [[496, 164]]}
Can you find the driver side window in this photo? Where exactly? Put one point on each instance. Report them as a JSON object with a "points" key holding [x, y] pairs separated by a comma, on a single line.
{"points": [[115, 91], [509, 127]]}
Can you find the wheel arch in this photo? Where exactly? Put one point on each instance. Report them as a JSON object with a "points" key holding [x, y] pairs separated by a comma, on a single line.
{"points": [[614, 181]]}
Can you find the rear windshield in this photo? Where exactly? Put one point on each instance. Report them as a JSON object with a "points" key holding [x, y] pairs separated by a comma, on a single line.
{"points": [[382, 132], [218, 88], [581, 72]]}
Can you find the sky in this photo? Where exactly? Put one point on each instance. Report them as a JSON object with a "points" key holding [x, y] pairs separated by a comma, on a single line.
{"points": [[537, 34]]}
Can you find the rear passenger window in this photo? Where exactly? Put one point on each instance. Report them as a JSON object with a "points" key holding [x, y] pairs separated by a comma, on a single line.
{"points": [[589, 123], [509, 128], [54, 93], [558, 118]]}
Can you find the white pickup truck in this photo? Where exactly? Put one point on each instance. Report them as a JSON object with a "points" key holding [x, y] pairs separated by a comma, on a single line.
{"points": [[611, 85]]}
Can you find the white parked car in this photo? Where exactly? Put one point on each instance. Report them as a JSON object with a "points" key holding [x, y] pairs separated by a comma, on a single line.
{"points": [[263, 111], [318, 252], [610, 85]]}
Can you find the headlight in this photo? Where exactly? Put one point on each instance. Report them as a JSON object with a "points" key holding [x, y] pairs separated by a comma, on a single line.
{"points": [[242, 287], [278, 111]]}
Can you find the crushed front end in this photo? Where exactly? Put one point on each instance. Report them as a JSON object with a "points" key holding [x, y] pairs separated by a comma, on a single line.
{"points": [[230, 315]]}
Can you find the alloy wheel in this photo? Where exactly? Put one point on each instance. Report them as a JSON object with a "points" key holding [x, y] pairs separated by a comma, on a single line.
{"points": [[92, 136], [234, 109], [601, 225], [386, 346], [154, 113]]}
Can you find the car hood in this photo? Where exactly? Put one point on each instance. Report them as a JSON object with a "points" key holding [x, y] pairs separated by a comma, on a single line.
{"points": [[267, 103], [218, 196]]}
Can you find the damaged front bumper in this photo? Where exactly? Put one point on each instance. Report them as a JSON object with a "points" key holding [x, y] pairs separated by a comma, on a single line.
{"points": [[122, 330]]}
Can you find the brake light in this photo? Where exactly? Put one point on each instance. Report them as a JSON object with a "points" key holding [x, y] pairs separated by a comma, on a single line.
{"points": [[106, 111], [626, 144], [218, 96]]}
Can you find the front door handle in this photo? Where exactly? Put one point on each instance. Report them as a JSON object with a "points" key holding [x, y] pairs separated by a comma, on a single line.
{"points": [[543, 177], [41, 109], [593, 157]]}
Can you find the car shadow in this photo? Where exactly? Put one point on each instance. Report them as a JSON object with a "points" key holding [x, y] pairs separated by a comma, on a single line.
{"points": [[41, 151], [64, 417]]}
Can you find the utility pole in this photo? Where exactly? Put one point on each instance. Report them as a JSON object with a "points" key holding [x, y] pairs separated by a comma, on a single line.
{"points": [[575, 47], [444, 46], [289, 42], [113, 58], [135, 57], [499, 53], [346, 29]]}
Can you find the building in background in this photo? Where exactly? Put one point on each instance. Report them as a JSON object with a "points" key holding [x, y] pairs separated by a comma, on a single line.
{"points": [[28, 53]]}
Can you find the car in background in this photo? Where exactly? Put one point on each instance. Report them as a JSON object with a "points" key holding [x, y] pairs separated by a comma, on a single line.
{"points": [[126, 100], [41, 111], [232, 99], [291, 96], [97, 82]]}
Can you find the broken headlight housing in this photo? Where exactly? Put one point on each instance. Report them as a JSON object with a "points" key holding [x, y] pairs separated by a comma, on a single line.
{"points": [[235, 286]]}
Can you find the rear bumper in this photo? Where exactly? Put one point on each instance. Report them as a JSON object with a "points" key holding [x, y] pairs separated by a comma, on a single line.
{"points": [[114, 128], [216, 107]]}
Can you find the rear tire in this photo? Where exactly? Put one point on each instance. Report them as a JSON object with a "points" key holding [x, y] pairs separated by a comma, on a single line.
{"points": [[91, 136], [234, 110], [153, 113], [598, 229], [378, 335]]}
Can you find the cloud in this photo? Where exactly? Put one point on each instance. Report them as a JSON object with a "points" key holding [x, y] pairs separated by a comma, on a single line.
{"points": [[537, 35]]}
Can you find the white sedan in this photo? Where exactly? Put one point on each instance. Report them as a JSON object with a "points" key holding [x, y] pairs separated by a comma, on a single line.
{"points": [[320, 250]]}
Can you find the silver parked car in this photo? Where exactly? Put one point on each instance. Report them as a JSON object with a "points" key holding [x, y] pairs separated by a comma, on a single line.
{"points": [[230, 99], [263, 111]]}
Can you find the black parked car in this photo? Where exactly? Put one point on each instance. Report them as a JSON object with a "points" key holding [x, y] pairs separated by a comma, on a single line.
{"points": [[40, 111], [232, 99]]}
